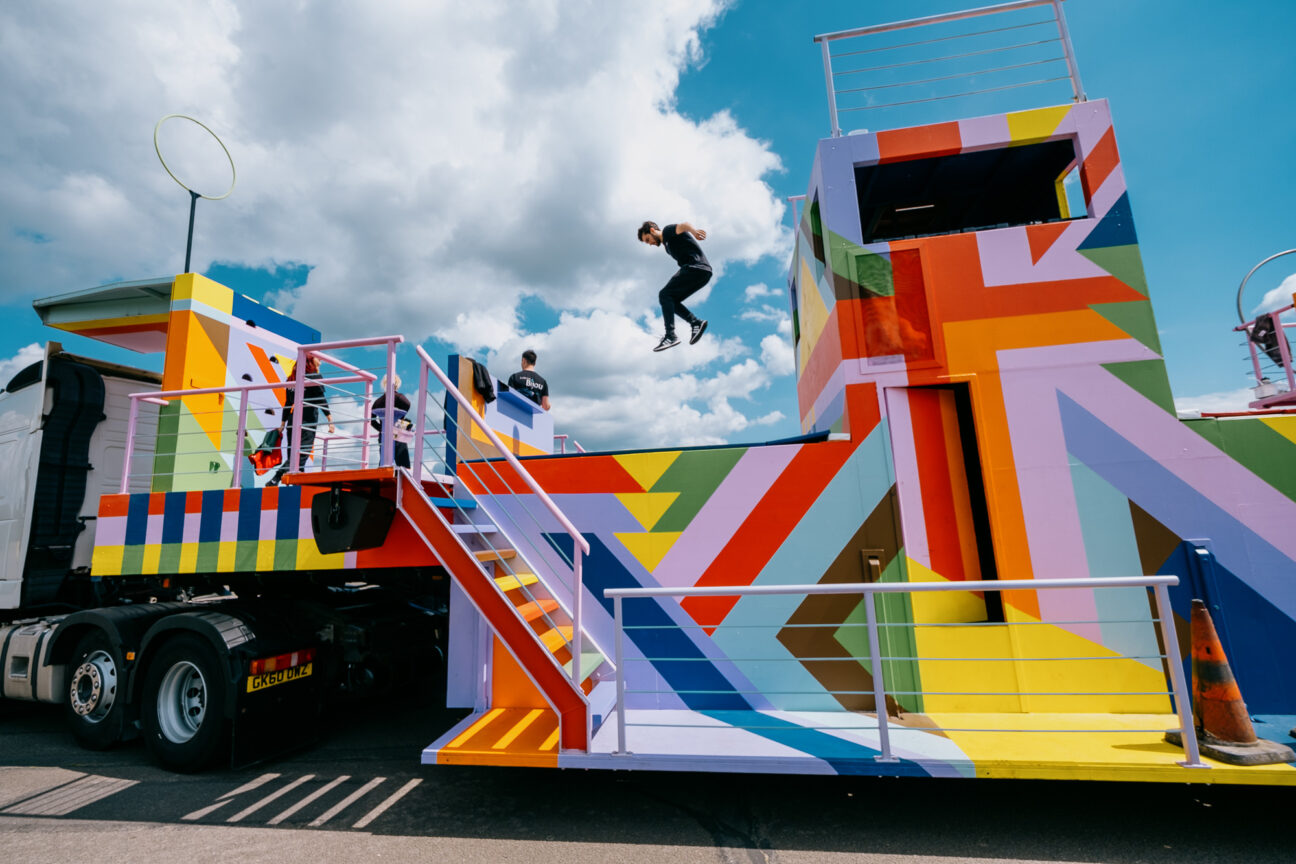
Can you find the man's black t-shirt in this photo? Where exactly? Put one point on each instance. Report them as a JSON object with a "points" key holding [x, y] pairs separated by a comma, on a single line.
{"points": [[529, 384], [681, 246]]}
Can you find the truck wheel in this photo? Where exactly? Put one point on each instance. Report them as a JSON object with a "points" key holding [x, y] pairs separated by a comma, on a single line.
{"points": [[96, 703], [183, 708]]}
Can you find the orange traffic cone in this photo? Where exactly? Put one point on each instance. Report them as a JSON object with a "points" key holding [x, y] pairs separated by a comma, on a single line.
{"points": [[1224, 728]]}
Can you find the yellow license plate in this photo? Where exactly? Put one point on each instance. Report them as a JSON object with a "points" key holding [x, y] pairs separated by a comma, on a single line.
{"points": [[279, 676]]}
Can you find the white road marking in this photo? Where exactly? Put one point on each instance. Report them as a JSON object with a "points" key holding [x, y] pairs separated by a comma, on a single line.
{"points": [[381, 808], [252, 808], [308, 799], [73, 796], [225, 799], [346, 802]]}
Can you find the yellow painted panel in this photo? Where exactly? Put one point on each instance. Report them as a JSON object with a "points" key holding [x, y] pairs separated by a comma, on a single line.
{"points": [[649, 548], [225, 556], [191, 286], [976, 672], [1028, 127], [189, 558], [310, 558], [1114, 676], [647, 468], [106, 560], [140, 321], [152, 559], [647, 507], [941, 607], [265, 555], [1284, 426]]}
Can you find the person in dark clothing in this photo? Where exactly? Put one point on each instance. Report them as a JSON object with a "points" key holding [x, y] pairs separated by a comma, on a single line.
{"points": [[314, 400], [400, 408], [680, 242], [529, 383]]}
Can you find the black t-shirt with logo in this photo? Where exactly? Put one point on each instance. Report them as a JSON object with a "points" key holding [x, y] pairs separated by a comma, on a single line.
{"points": [[681, 246], [529, 384]]}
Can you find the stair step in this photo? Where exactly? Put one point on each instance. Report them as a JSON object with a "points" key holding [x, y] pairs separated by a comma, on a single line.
{"points": [[537, 608], [461, 503], [495, 555], [590, 661], [473, 528], [556, 637], [512, 583]]}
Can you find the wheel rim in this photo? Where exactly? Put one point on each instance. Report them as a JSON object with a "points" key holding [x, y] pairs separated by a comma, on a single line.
{"points": [[182, 702], [94, 686]]}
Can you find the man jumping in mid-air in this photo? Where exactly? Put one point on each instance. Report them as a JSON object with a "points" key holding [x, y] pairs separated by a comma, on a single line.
{"points": [[680, 242]]}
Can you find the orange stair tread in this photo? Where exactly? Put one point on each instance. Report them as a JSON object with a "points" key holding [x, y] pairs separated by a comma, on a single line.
{"points": [[495, 554], [537, 608], [556, 637]]}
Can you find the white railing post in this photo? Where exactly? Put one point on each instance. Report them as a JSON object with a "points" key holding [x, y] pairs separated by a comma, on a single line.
{"points": [[299, 389], [1073, 69], [617, 627], [576, 616], [832, 89], [1165, 619], [420, 424], [238, 446], [130, 443], [879, 686], [388, 456]]}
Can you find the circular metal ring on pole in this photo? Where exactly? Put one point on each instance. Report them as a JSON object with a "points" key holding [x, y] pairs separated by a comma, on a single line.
{"points": [[1241, 318], [167, 168]]}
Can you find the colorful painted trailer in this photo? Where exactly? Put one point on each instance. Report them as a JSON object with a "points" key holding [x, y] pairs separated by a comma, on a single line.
{"points": [[977, 561]]}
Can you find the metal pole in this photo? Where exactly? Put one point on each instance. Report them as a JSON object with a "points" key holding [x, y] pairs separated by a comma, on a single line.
{"points": [[1165, 618], [130, 444], [242, 432], [193, 203], [299, 389], [1072, 67], [420, 423], [620, 675], [576, 616], [389, 408], [368, 415], [832, 91], [879, 687]]}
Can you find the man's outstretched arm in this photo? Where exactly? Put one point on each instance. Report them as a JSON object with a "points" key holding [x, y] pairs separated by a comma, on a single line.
{"points": [[686, 228]]}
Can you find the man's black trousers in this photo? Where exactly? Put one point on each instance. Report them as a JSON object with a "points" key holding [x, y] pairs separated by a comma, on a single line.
{"points": [[686, 282]]}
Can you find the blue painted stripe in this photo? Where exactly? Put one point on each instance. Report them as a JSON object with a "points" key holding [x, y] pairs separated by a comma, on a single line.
{"points": [[246, 309], [249, 518], [465, 503], [137, 519], [288, 517], [209, 524], [173, 513], [846, 757]]}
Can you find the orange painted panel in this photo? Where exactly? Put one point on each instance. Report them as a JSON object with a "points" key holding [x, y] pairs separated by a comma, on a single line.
{"points": [[510, 686], [920, 142], [1100, 162]]}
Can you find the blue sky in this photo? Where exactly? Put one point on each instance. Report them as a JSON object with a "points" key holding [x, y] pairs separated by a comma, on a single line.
{"points": [[374, 198]]}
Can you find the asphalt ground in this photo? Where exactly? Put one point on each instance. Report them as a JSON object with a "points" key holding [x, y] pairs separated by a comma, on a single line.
{"points": [[360, 794]]}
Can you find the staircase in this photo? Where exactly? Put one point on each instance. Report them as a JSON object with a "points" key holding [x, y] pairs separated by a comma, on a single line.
{"points": [[532, 627]]}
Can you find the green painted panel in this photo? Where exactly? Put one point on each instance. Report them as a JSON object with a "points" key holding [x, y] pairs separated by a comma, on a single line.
{"points": [[1123, 262], [695, 474], [1135, 318], [169, 560], [245, 556], [132, 560], [1149, 378], [208, 557], [285, 555]]}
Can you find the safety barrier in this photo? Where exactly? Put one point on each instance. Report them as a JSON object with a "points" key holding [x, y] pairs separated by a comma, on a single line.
{"points": [[880, 691], [870, 77]]}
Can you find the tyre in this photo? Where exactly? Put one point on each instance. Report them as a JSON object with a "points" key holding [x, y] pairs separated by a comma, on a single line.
{"points": [[96, 702], [183, 705]]}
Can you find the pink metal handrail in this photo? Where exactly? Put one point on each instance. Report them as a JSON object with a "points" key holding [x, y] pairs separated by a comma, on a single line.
{"points": [[166, 396], [579, 543], [299, 387], [1284, 355]]}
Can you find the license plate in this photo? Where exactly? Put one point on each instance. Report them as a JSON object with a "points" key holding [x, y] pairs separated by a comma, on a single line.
{"points": [[279, 676]]}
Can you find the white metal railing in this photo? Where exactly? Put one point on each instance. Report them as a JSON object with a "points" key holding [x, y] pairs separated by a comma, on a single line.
{"points": [[870, 591], [484, 470], [992, 60], [562, 444]]}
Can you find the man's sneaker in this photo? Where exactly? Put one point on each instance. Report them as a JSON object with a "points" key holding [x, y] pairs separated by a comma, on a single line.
{"points": [[668, 341], [699, 328]]}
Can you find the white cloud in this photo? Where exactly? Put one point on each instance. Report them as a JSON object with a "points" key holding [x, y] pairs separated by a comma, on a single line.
{"points": [[433, 164], [26, 356], [1231, 400], [760, 289], [1278, 297], [765, 312]]}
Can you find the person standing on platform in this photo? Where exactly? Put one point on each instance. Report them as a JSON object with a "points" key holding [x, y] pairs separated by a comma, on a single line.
{"points": [[681, 243], [529, 383]]}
